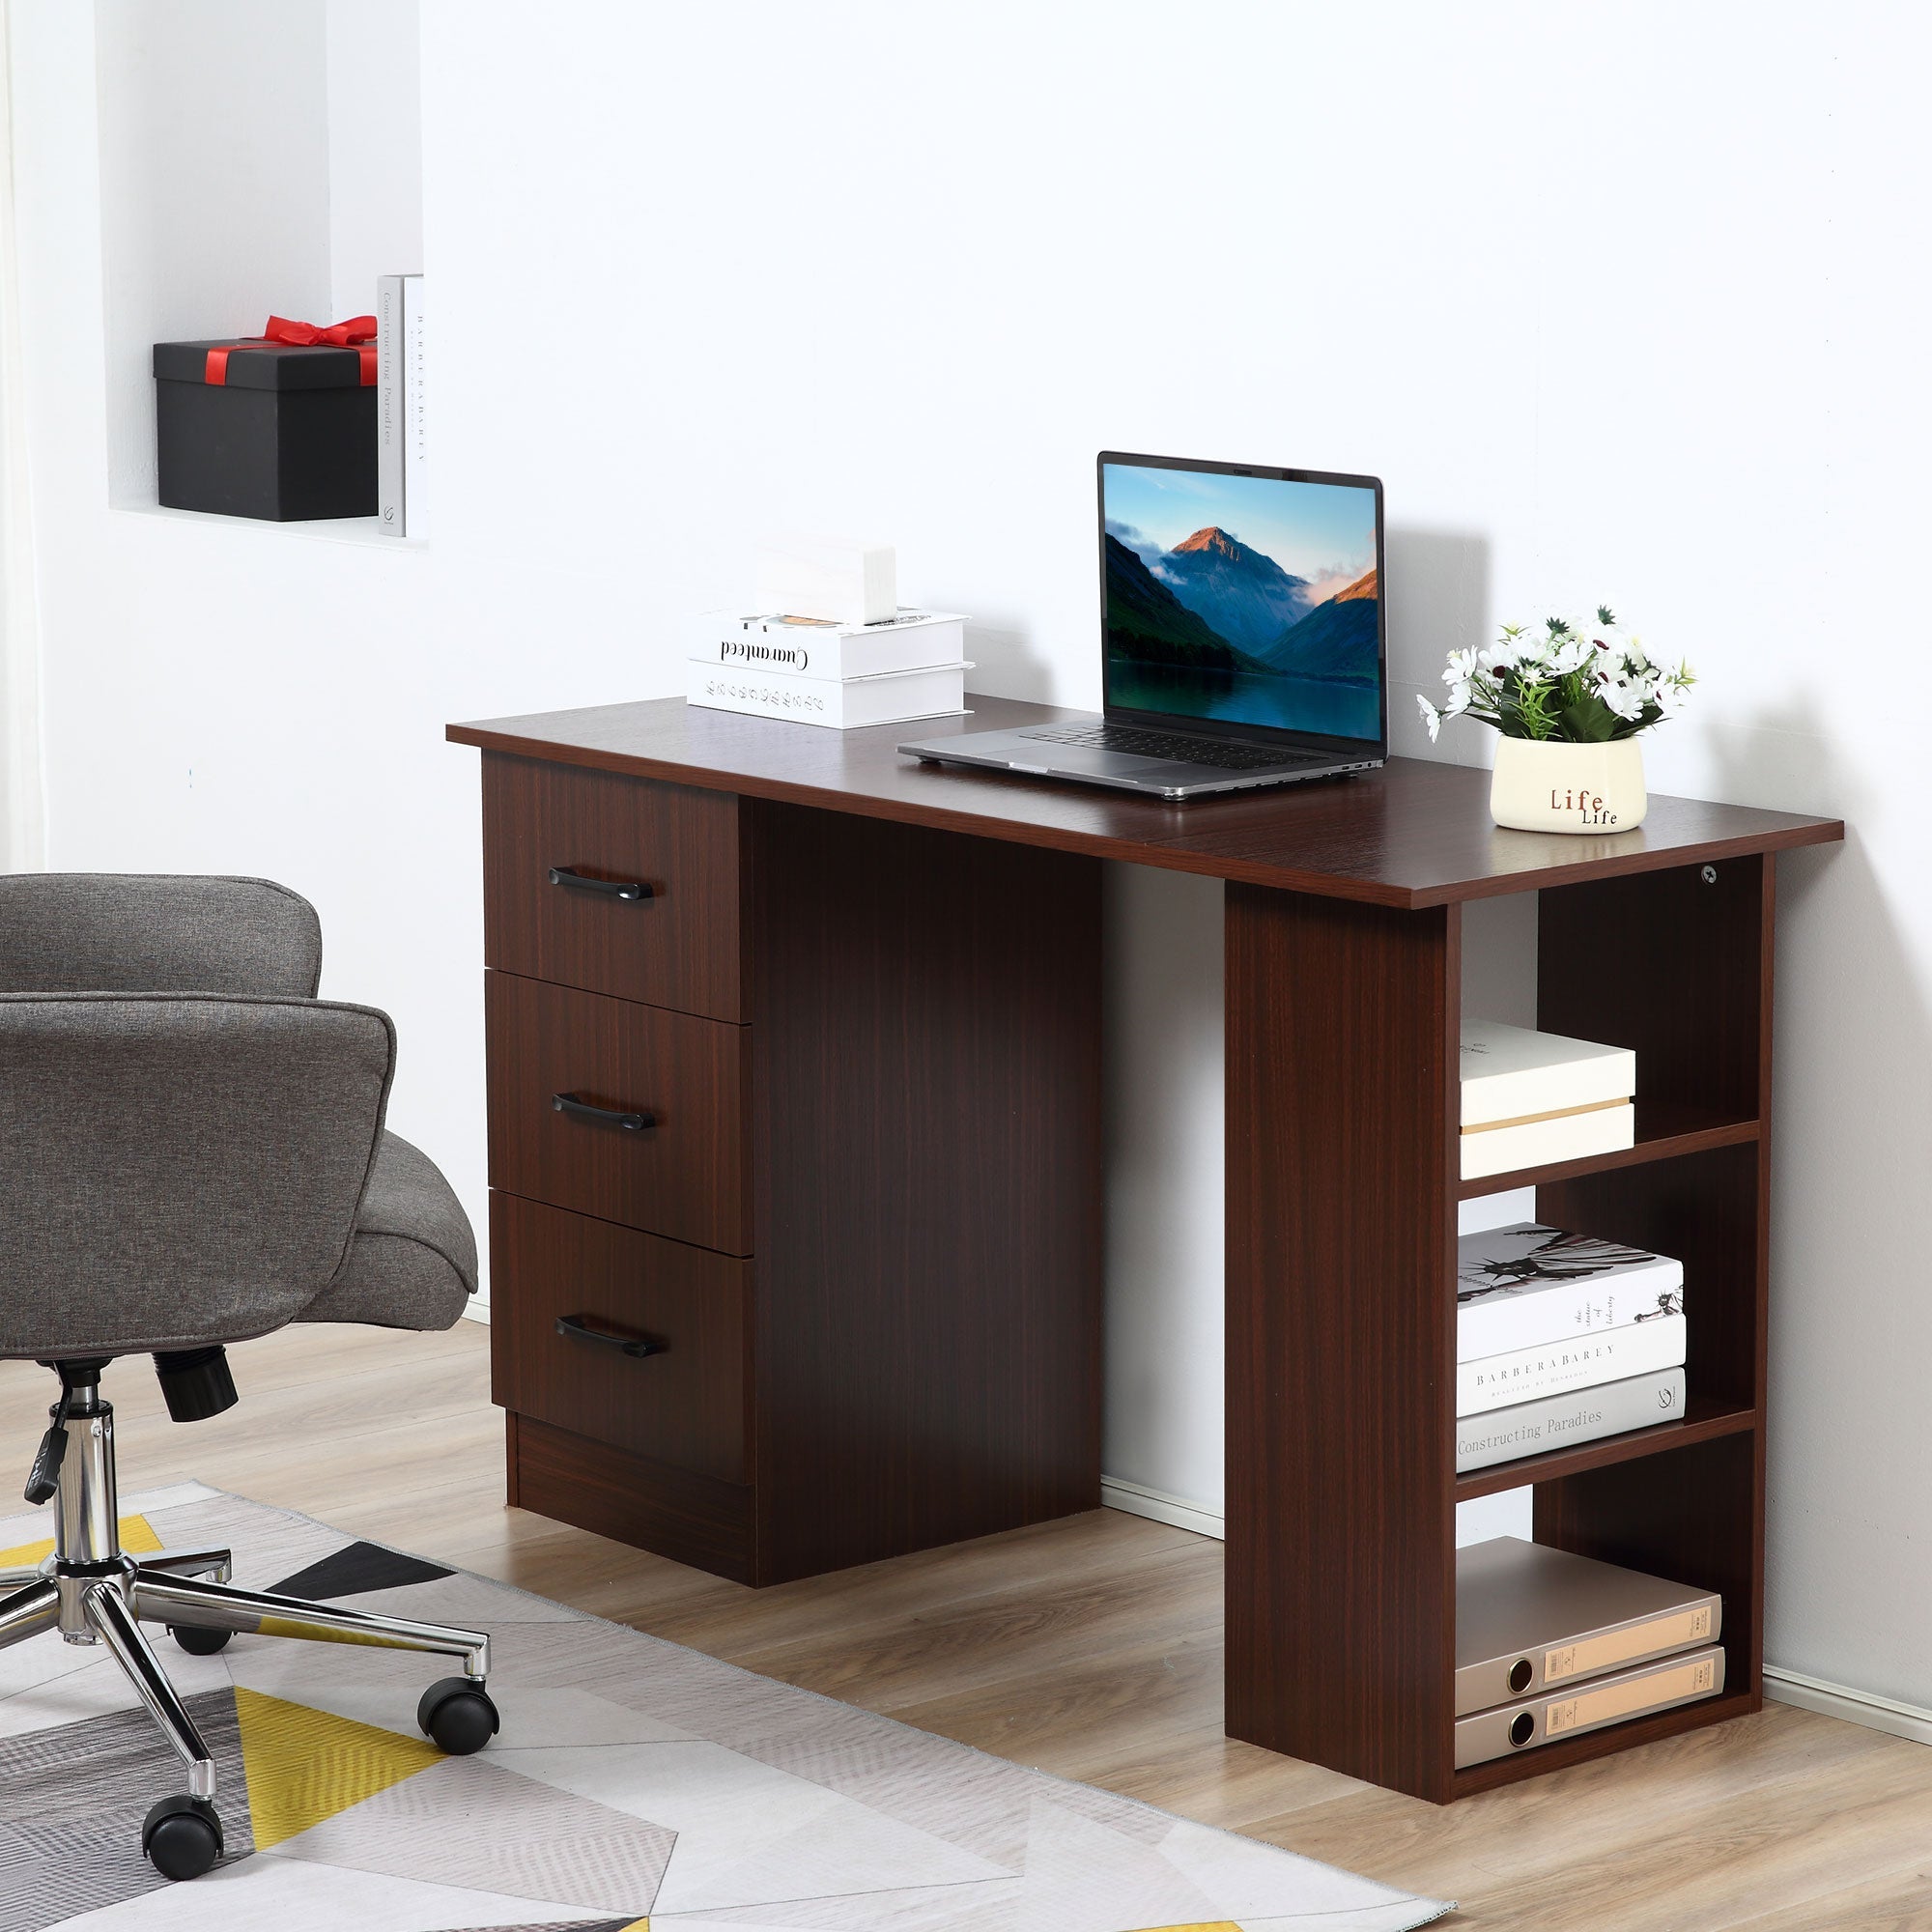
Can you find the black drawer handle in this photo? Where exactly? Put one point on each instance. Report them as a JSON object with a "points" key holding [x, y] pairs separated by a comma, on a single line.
{"points": [[625, 1119], [611, 889], [578, 1327]]}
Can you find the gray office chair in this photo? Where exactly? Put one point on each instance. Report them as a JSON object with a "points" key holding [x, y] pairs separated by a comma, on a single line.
{"points": [[192, 1154]]}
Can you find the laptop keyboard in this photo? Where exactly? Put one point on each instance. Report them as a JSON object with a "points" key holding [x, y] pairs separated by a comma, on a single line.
{"points": [[1142, 743]]}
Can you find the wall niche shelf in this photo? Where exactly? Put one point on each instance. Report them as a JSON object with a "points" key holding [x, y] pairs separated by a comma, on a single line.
{"points": [[254, 161]]}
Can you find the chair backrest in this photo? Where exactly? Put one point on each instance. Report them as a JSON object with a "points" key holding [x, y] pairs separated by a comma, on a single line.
{"points": [[185, 1131], [115, 932]]}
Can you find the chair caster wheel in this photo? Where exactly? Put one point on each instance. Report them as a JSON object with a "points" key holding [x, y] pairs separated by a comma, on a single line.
{"points": [[181, 1837], [199, 1642], [458, 1716]]}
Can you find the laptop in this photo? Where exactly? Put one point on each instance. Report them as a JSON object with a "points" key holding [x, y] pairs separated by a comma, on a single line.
{"points": [[1242, 636]]}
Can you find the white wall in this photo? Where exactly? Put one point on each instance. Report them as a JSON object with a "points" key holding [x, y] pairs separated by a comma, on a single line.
{"points": [[1622, 300]]}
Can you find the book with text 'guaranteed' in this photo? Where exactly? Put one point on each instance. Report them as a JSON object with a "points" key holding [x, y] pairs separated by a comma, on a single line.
{"points": [[1530, 1098], [806, 647], [1568, 1421], [1527, 1285]]}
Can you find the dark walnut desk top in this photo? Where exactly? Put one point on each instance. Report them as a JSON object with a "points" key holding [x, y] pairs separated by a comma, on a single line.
{"points": [[1414, 833]]}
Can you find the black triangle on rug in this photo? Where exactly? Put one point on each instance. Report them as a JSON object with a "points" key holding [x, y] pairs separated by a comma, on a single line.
{"points": [[359, 1568]]}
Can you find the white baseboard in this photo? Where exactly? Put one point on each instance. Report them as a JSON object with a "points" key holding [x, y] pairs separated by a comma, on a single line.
{"points": [[476, 1309], [1138, 1501], [1855, 1707]]}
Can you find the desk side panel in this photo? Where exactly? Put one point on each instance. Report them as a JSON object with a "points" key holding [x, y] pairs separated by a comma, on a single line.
{"points": [[926, 1029], [1340, 1229]]}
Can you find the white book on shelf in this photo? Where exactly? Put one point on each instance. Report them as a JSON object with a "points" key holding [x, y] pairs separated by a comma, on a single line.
{"points": [[843, 704], [810, 648], [415, 445], [1532, 1097], [1568, 1421], [1583, 1361], [1527, 1285], [390, 404]]}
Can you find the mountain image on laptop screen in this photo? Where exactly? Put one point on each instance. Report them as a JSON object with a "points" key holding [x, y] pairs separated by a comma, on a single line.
{"points": [[1250, 600]]}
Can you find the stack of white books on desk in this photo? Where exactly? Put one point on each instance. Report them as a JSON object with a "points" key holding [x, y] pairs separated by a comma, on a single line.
{"points": [[817, 671], [1562, 1339]]}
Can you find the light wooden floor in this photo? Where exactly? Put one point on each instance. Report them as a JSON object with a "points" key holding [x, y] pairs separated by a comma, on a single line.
{"points": [[1091, 1648]]}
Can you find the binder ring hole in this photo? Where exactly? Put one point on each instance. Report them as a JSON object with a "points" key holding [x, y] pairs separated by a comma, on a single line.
{"points": [[1523, 1727], [1520, 1676]]}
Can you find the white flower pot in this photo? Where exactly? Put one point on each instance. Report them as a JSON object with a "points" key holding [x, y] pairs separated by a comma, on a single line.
{"points": [[1550, 786]]}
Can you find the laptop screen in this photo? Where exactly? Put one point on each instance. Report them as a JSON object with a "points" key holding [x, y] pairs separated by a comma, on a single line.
{"points": [[1247, 598]]}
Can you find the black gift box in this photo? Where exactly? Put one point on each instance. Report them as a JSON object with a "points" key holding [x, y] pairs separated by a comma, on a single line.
{"points": [[288, 433]]}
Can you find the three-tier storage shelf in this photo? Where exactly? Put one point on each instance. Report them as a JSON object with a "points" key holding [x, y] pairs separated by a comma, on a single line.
{"points": [[891, 1338], [1344, 1179]]}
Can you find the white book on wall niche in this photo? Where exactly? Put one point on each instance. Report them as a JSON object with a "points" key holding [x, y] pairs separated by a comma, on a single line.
{"points": [[402, 452], [390, 404], [415, 444]]}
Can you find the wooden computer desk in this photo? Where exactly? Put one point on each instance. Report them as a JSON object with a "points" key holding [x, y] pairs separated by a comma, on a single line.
{"points": [[857, 999]]}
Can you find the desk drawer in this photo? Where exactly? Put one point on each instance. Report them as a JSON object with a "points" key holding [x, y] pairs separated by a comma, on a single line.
{"points": [[678, 947], [686, 1405], [683, 1174]]}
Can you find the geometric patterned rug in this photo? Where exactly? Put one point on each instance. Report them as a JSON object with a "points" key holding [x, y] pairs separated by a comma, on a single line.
{"points": [[635, 1783]]}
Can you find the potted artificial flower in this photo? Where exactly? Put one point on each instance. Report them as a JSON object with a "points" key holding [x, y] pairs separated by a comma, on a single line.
{"points": [[1569, 706]]}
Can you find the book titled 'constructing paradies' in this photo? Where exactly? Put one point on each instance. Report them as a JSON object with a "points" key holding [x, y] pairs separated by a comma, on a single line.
{"points": [[1569, 1421]]}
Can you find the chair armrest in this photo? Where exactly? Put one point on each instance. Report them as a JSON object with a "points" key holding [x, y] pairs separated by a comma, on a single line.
{"points": [[177, 1169], [110, 932]]}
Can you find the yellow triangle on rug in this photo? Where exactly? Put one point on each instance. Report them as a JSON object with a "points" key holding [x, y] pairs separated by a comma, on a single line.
{"points": [[305, 1765], [137, 1539]]}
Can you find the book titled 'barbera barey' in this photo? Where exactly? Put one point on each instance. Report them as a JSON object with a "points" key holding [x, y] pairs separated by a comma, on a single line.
{"points": [[1532, 1098], [1568, 1421], [1527, 1285], [1550, 1367]]}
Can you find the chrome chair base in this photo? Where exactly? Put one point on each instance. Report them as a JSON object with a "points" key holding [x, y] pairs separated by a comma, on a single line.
{"points": [[93, 1592]]}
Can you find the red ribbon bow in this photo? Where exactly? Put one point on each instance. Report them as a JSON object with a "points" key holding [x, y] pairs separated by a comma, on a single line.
{"points": [[358, 332]]}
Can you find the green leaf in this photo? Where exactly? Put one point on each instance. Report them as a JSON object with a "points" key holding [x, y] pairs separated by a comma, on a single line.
{"points": [[1589, 720], [1606, 615], [1629, 728]]}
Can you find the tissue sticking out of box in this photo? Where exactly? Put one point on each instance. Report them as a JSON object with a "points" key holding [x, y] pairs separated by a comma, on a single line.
{"points": [[837, 580]]}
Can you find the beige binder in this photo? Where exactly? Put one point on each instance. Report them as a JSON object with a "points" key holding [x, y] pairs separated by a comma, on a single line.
{"points": [[1589, 1706], [1531, 1618]]}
